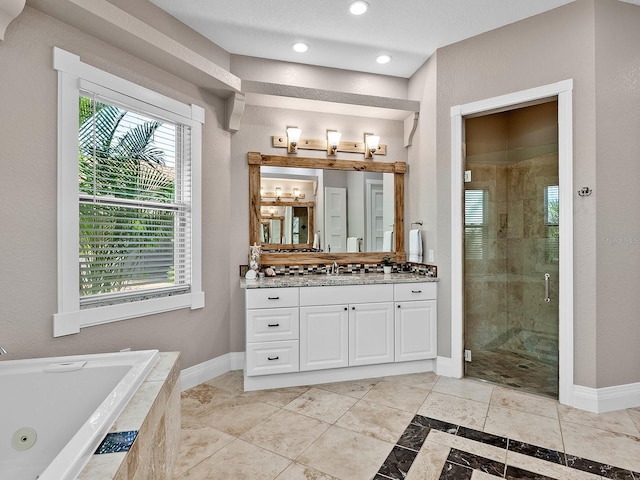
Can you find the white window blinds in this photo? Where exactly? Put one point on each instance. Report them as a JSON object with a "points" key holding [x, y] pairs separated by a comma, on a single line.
{"points": [[476, 227], [134, 181]]}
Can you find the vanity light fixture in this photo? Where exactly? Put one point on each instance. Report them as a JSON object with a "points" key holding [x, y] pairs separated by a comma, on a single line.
{"points": [[293, 137], [333, 141], [371, 144], [278, 192], [296, 193], [330, 144]]}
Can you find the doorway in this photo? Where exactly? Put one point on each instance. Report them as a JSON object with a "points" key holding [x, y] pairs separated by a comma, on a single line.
{"points": [[563, 92], [511, 247]]}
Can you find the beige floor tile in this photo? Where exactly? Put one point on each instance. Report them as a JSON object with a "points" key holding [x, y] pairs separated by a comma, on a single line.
{"points": [[429, 462], [634, 413], [466, 445], [424, 380], [397, 395], [278, 397], [548, 469], [237, 416], [355, 388], [375, 420], [198, 399], [464, 388], [321, 405], [346, 455], [199, 441], [619, 421], [461, 411], [525, 427], [524, 402], [286, 433], [602, 446], [239, 460], [232, 382], [296, 471]]}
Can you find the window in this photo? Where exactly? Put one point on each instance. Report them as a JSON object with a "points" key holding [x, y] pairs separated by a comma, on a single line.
{"points": [[551, 220], [476, 225], [129, 202]]}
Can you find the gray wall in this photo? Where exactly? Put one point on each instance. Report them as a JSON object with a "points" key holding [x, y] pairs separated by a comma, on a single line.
{"points": [[617, 196], [29, 194]]}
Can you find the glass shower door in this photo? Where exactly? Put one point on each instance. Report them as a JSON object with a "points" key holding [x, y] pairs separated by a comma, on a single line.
{"points": [[511, 271]]}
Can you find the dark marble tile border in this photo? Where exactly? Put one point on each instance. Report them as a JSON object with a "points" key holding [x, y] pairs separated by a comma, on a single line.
{"points": [[116, 442], [460, 464]]}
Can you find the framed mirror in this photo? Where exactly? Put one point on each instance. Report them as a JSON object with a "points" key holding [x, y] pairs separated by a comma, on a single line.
{"points": [[270, 172]]}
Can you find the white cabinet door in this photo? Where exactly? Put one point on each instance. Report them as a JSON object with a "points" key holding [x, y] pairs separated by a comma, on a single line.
{"points": [[415, 330], [324, 334], [371, 333]]}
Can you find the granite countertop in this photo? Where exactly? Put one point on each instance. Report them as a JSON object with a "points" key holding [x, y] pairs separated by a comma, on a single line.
{"points": [[335, 280]]}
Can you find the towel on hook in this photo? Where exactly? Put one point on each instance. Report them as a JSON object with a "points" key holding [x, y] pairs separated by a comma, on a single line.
{"points": [[352, 244], [387, 241], [316, 241], [415, 246]]}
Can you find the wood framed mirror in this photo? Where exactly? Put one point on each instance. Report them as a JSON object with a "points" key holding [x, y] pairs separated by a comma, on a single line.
{"points": [[293, 256]]}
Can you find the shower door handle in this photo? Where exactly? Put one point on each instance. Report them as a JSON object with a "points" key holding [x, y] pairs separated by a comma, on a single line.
{"points": [[546, 287]]}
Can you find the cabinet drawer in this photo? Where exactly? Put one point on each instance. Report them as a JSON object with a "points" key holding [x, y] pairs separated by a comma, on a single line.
{"points": [[403, 292], [334, 295], [272, 324], [271, 297], [268, 358]]}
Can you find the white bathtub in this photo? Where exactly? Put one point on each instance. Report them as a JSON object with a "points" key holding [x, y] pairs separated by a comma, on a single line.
{"points": [[65, 406]]}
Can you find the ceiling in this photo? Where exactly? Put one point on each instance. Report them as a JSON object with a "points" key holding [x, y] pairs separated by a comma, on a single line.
{"points": [[407, 30]]}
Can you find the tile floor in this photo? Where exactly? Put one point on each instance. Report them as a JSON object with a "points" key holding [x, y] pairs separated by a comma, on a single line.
{"points": [[417, 426], [509, 368]]}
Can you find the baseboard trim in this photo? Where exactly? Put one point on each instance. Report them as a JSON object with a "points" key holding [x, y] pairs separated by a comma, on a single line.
{"points": [[205, 371], [445, 367], [606, 399]]}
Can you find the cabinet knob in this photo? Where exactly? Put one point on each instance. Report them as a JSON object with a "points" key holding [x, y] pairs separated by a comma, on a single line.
{"points": [[353, 308], [272, 358], [398, 306], [346, 308]]}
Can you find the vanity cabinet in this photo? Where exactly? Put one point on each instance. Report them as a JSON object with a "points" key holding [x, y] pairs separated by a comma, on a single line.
{"points": [[415, 321], [272, 331], [346, 326], [317, 334]]}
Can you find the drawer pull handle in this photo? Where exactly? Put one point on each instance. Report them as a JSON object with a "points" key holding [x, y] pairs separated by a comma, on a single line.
{"points": [[273, 358], [273, 325], [273, 298], [416, 291]]}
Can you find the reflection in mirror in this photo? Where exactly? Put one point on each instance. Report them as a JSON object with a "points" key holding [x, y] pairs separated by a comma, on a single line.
{"points": [[355, 209]]}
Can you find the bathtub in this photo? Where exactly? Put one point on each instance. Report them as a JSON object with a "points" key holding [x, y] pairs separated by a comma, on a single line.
{"points": [[56, 411]]}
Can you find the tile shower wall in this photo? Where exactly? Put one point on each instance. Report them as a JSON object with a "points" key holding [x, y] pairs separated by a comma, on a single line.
{"points": [[504, 291]]}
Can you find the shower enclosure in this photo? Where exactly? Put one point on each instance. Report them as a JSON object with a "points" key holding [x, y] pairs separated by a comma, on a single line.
{"points": [[511, 248]]}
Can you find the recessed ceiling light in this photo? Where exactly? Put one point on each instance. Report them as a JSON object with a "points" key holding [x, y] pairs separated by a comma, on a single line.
{"points": [[300, 47], [358, 8], [382, 59]]}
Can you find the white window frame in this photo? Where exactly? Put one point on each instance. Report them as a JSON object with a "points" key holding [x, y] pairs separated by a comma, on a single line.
{"points": [[72, 73]]}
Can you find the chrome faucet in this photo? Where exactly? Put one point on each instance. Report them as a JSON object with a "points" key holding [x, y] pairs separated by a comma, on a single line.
{"points": [[335, 269], [2, 350]]}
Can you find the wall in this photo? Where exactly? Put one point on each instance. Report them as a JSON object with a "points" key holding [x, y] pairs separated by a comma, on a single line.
{"points": [[28, 213], [547, 48], [616, 195]]}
